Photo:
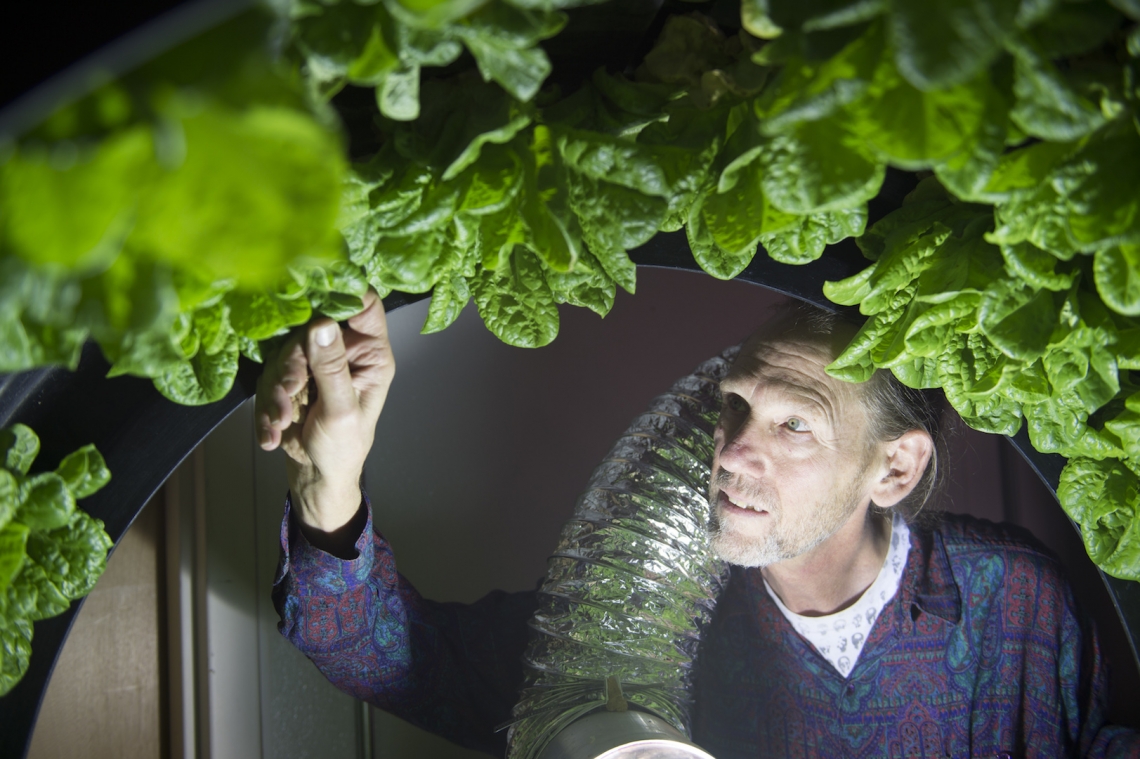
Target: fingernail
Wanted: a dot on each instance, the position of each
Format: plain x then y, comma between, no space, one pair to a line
289,383
326,335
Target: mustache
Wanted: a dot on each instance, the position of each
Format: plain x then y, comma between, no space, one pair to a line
744,487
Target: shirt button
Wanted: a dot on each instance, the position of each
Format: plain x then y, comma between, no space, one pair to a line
1004,755
850,688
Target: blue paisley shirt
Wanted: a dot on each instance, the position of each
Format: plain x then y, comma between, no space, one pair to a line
981,653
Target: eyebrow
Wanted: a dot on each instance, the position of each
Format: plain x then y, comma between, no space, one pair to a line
796,385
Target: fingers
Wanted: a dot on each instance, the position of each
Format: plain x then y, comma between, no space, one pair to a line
352,369
283,377
329,364
370,354
371,321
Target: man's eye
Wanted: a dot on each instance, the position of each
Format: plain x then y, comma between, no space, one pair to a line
735,402
795,424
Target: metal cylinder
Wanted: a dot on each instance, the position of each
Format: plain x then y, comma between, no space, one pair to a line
622,735
630,586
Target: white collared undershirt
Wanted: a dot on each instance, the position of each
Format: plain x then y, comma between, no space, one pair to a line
839,637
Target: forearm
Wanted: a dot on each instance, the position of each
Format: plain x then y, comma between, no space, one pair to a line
330,514
452,669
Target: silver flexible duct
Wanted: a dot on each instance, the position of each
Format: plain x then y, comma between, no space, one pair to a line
633,580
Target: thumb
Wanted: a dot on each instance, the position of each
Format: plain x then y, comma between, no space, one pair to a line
329,364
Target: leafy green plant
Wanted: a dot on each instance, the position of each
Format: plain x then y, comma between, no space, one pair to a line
51,552
184,215
385,44
176,217
522,208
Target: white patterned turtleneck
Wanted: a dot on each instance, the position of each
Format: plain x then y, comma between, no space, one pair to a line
839,637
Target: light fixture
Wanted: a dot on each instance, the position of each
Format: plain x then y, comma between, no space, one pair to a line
622,735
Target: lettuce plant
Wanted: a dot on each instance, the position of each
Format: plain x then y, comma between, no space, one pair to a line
202,205
51,552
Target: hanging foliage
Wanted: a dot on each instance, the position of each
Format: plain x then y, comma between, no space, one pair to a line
202,205
51,552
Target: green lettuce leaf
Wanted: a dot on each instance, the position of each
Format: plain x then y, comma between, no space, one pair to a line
944,43
13,542
261,315
813,90
1074,29
1040,217
15,650
715,260
904,260
1037,268
493,182
658,170
1025,168
35,584
10,496
866,350
1097,182
502,39
587,285
447,301
1117,273
1046,104
915,128
204,378
614,219
75,208
967,173
84,471
73,556
1126,427
254,191
516,303
1019,319
45,502
806,239
1101,497
819,166
19,447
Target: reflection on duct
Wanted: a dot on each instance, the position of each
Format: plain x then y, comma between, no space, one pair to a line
628,591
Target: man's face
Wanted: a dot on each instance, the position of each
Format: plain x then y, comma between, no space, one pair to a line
792,461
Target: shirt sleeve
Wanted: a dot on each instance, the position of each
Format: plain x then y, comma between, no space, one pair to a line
1082,677
1098,738
453,669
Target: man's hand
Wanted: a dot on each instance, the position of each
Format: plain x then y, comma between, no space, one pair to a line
327,443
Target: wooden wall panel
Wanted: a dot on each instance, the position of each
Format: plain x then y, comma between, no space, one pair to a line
104,698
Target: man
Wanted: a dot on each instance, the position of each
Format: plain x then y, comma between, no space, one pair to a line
843,631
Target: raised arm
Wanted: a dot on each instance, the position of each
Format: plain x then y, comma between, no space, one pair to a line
327,443
450,668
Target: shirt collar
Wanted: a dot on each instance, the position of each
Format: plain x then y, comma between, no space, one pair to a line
935,592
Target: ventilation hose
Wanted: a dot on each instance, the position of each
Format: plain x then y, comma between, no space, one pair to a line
630,587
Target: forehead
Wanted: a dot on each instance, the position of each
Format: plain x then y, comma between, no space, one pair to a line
793,363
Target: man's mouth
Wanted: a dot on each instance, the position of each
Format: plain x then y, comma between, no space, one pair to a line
727,502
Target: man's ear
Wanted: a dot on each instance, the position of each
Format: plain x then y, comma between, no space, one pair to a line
907,457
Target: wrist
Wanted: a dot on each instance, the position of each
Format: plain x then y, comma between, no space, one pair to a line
322,503
339,542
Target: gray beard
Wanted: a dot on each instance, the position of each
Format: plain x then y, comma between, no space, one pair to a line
783,541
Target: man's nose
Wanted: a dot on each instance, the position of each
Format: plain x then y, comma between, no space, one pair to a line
742,452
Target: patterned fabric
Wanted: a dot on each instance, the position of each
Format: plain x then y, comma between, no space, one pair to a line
453,669
839,637
980,654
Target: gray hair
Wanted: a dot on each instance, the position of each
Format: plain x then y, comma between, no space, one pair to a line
892,408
